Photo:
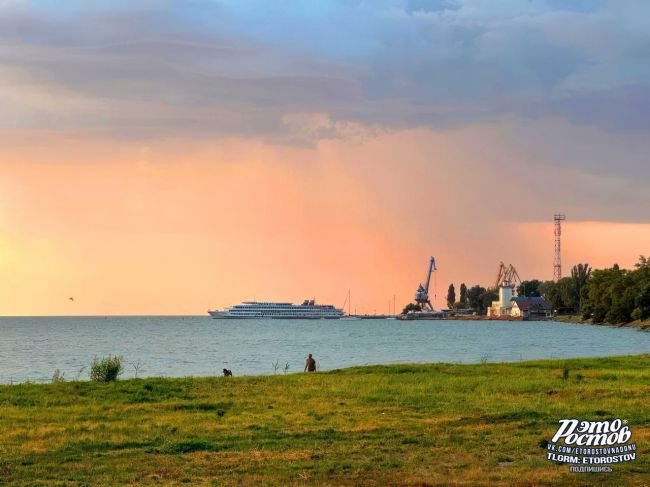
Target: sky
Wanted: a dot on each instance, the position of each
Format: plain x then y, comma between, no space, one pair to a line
168,157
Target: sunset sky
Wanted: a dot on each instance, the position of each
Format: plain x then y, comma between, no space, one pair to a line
166,157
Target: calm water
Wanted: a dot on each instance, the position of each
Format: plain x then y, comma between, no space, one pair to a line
32,348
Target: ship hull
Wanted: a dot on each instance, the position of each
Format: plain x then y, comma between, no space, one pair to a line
218,315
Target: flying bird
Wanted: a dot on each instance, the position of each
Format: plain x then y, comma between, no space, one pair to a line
71,298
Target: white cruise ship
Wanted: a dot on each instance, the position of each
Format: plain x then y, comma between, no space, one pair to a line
308,310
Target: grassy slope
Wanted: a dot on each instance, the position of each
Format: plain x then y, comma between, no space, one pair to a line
384,425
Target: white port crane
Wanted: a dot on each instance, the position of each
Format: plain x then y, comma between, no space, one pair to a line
506,276
422,294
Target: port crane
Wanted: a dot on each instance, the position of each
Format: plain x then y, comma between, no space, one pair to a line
506,276
422,294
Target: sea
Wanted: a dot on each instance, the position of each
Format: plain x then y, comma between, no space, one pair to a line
32,349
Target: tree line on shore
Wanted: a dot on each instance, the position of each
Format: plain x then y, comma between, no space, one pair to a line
612,295
476,298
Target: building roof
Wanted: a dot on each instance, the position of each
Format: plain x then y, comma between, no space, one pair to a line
531,304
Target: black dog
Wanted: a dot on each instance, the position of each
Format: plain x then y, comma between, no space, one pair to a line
227,373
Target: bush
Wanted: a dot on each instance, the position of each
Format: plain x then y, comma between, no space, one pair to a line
598,315
411,307
191,445
106,370
617,314
57,377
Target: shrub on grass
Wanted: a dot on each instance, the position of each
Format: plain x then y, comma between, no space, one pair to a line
190,445
106,369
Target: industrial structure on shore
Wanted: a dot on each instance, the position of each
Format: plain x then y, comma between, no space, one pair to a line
509,305
423,309
422,293
558,218
507,279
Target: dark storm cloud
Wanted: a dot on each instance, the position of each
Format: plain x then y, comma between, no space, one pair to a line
240,68
620,109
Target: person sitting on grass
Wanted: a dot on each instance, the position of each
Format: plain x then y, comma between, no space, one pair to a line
310,364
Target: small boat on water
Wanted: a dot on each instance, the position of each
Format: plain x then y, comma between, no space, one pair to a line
308,310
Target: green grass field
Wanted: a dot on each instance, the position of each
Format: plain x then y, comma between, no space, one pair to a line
410,425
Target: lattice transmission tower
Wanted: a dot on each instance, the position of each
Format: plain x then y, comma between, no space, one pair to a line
557,262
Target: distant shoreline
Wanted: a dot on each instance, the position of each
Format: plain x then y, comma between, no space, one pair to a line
640,324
